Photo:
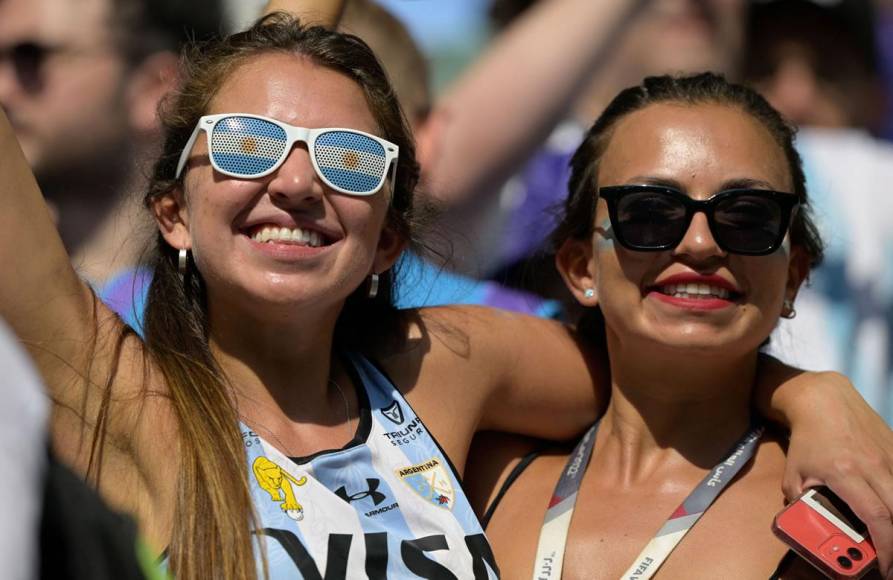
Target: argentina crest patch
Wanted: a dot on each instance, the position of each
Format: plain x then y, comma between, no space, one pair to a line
431,481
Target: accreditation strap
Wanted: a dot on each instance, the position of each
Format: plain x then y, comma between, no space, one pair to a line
553,535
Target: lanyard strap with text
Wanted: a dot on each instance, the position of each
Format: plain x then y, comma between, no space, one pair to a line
553,536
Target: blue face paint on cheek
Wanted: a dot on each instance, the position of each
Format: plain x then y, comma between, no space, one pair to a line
786,245
604,235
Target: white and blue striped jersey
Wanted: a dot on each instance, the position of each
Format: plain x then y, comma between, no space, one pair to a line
387,505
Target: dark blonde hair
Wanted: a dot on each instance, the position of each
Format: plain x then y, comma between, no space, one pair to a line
213,513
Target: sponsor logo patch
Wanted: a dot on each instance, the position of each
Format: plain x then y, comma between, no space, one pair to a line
394,412
372,492
431,481
412,431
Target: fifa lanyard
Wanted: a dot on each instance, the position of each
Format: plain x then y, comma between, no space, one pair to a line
553,535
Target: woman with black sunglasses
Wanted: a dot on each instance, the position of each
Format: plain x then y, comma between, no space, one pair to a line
687,235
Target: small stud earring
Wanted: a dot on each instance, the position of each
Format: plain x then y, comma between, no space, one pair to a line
589,293
373,286
788,309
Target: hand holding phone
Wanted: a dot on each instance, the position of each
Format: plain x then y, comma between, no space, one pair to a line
822,529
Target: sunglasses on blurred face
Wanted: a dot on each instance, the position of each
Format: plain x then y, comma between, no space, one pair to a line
27,60
251,146
651,218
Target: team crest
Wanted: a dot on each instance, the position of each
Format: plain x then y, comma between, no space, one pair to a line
278,483
394,412
431,481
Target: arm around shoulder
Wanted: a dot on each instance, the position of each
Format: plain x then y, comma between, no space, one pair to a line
836,440
529,375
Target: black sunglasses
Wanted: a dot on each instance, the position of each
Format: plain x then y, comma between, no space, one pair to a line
27,59
650,218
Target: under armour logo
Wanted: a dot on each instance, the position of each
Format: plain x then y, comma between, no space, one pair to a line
394,413
372,492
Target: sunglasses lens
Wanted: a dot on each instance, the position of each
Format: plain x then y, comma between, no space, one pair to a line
748,224
246,146
350,161
650,220
27,60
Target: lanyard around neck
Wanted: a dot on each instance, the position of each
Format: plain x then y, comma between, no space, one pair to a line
553,535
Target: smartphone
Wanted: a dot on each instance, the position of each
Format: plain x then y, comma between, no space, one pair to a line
823,530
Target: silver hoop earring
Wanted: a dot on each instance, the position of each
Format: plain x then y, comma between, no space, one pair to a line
788,311
373,286
182,261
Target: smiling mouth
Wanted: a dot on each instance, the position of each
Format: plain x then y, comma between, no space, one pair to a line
696,291
292,236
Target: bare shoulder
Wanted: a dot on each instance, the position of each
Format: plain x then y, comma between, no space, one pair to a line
440,369
515,523
471,368
495,463
471,340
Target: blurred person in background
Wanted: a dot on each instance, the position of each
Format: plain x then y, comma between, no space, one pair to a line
429,282
81,82
664,36
818,64
846,167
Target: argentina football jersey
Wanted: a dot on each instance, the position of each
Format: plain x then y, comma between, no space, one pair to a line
388,505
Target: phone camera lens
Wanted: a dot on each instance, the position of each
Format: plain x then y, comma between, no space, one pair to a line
854,554
844,562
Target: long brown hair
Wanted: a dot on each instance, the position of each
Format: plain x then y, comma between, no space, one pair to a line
213,515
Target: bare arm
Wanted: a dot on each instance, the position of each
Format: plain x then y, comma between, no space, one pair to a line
323,12
836,440
72,338
498,112
41,297
509,372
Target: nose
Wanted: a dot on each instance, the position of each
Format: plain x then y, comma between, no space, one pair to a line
295,181
698,241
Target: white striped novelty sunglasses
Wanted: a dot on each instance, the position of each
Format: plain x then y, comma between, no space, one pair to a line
251,146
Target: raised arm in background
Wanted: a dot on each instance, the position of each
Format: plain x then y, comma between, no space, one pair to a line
505,105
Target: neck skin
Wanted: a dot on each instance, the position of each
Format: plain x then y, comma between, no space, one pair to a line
280,366
672,411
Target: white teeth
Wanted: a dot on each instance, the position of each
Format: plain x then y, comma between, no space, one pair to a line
269,234
694,290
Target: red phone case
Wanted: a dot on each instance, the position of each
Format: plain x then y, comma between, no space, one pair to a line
822,533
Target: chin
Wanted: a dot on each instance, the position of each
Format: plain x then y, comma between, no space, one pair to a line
701,343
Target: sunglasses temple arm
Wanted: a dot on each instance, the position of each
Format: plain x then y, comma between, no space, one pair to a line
184,156
393,171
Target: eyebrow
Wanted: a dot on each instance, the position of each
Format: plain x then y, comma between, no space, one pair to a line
735,183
